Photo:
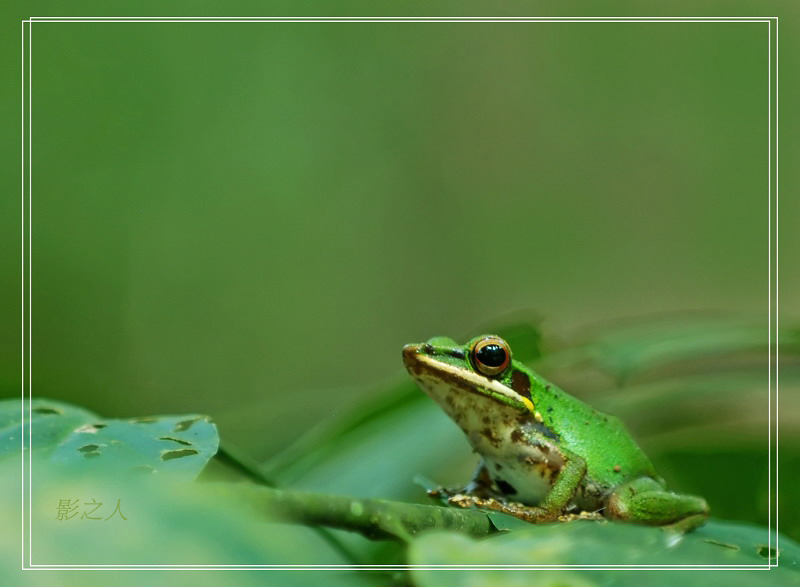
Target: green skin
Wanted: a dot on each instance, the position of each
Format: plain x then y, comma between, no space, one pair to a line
545,454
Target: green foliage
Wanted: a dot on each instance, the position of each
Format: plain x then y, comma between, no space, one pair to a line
169,522
633,347
592,543
85,443
257,251
666,391
688,397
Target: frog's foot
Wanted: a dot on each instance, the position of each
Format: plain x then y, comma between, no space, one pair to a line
442,493
455,496
581,516
645,501
530,514
534,515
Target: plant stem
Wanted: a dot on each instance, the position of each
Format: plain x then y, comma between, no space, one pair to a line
373,518
241,462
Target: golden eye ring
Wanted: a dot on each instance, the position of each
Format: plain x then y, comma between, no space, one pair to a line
491,355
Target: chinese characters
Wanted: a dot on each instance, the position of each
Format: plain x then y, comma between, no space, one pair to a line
68,509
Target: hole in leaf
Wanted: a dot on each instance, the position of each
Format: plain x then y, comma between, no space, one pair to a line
44,410
89,451
765,551
90,428
177,454
145,469
178,440
184,425
145,420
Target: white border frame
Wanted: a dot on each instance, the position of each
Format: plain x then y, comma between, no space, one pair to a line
27,166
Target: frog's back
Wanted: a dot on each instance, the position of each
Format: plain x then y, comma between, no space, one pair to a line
612,455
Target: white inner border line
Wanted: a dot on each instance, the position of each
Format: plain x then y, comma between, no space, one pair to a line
777,287
30,292
448,18
769,288
22,285
348,19
387,20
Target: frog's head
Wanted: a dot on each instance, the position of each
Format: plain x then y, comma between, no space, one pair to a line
477,378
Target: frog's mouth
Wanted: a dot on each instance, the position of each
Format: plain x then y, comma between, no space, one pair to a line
438,376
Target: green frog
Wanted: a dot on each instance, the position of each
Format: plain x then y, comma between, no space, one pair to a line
545,455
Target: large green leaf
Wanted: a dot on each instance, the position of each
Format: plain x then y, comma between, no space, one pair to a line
646,345
381,457
141,522
592,543
84,442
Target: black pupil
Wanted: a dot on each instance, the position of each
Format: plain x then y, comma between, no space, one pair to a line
491,355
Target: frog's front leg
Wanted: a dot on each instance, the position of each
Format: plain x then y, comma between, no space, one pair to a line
563,490
646,501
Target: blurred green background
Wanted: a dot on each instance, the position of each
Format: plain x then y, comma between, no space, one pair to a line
250,220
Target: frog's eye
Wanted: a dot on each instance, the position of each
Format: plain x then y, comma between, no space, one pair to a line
491,355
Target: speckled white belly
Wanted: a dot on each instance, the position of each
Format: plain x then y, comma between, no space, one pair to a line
525,471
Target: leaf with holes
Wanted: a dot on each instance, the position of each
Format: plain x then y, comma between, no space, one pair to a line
80,440
47,424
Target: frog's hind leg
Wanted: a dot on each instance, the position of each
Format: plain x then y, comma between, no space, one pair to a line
645,501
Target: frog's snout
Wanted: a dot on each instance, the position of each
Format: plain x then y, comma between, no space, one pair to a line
410,352
411,357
